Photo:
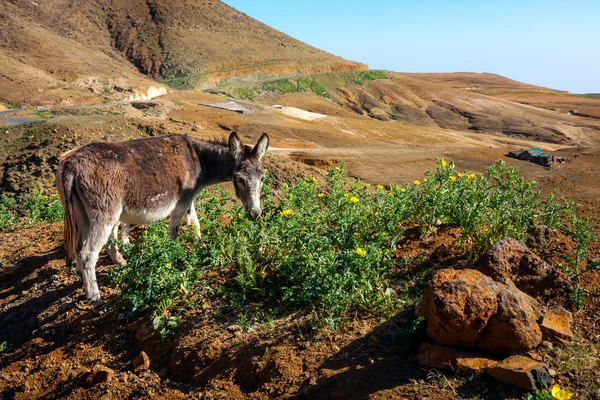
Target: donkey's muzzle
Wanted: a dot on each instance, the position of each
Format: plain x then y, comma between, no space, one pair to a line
254,214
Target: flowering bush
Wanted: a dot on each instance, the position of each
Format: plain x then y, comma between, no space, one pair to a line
330,251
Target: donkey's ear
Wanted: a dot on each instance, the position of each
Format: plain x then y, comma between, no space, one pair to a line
261,146
235,146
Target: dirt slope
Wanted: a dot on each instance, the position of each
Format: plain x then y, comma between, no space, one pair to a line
47,46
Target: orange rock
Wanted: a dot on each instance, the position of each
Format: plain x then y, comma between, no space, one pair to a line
100,374
451,359
521,372
141,362
556,326
458,305
514,327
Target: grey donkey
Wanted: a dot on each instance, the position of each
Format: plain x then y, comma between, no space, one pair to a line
144,181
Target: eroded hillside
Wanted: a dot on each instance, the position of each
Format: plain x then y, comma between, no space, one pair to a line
47,46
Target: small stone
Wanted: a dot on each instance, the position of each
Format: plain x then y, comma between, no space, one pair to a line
141,362
100,374
521,372
556,326
548,345
552,372
234,328
534,356
451,359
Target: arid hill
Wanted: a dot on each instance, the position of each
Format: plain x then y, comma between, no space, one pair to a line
47,46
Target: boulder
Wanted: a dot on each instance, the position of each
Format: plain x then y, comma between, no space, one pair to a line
514,327
556,326
444,358
521,372
141,362
458,305
100,374
509,261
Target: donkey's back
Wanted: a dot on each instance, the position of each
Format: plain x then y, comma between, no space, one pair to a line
141,180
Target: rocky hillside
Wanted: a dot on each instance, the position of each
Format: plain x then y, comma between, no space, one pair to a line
47,46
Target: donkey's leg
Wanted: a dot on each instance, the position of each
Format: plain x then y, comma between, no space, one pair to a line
175,220
88,257
113,250
192,219
125,229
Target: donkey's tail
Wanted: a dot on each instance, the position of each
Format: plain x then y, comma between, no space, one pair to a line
65,185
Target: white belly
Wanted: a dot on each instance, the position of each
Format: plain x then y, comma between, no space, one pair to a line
147,216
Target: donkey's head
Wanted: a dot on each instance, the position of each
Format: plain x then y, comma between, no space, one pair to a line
248,172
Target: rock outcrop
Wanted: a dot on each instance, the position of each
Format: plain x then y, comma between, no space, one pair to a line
458,306
514,327
510,262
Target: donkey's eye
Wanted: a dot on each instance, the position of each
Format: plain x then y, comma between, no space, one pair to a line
241,181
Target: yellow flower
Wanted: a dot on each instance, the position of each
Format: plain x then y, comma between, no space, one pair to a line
460,174
320,195
560,394
315,180
285,213
361,252
383,233
444,163
403,190
417,183
266,170
452,177
379,187
168,264
425,180
354,199
346,195
471,176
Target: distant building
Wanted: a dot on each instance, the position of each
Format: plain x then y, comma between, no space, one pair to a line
535,155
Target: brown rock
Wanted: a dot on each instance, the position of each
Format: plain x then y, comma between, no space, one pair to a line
539,236
510,261
556,326
521,372
100,374
514,327
458,305
141,362
451,359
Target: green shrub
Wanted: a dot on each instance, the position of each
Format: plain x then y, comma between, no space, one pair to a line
576,263
40,208
318,88
7,213
281,85
364,76
244,93
330,252
486,208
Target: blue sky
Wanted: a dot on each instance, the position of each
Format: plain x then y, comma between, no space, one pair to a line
543,42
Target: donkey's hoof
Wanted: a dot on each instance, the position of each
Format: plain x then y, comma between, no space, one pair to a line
99,306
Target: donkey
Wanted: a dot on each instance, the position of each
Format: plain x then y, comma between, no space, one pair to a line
143,181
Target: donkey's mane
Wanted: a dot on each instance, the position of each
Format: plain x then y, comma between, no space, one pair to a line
220,140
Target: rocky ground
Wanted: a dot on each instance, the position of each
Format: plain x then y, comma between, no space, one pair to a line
57,347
